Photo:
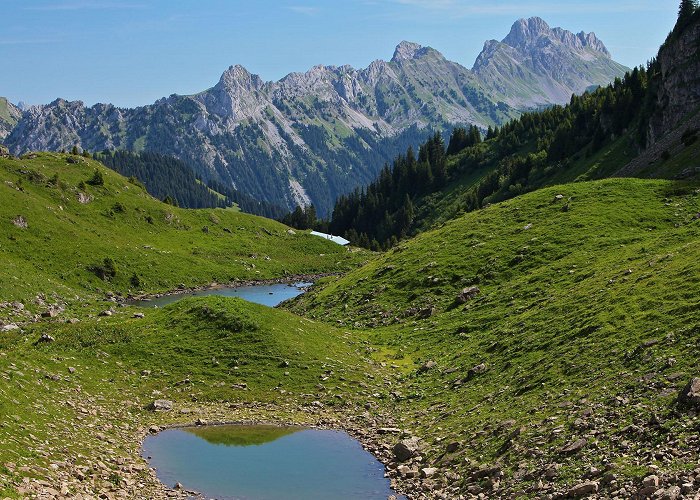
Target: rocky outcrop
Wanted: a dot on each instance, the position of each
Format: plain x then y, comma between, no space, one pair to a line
679,94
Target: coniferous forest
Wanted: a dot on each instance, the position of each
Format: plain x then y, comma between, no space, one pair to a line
168,178
524,154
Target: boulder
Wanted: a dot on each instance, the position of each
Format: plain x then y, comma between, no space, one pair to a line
670,493
406,449
428,365
45,338
407,472
573,447
161,405
467,294
428,472
584,489
690,395
453,447
477,370
9,327
50,313
651,481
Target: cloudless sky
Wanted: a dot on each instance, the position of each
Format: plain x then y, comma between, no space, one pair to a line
132,52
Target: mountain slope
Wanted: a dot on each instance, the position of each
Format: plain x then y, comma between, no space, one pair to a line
544,328
310,136
9,115
59,226
536,65
623,129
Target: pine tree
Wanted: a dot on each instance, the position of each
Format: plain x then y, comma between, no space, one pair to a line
686,11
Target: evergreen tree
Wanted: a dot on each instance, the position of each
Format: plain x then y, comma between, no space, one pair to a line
686,11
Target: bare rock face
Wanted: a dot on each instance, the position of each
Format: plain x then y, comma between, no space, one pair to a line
539,65
680,90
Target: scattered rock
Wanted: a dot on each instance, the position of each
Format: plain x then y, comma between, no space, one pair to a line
467,294
200,421
106,313
9,327
406,449
690,395
139,315
291,232
84,198
71,369
20,222
161,405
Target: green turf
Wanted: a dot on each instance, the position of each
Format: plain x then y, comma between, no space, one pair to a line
576,307
157,245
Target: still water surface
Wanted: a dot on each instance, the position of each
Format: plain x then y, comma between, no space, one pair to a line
267,463
267,295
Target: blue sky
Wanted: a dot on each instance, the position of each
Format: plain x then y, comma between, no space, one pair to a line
132,52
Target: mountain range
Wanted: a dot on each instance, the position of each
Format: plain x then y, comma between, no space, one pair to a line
312,136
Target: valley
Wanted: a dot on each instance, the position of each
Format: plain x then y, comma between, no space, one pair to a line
517,314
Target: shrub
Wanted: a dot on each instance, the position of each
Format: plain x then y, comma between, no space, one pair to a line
97,179
105,271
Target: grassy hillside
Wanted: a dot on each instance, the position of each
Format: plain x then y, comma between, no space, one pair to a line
74,411
585,322
57,230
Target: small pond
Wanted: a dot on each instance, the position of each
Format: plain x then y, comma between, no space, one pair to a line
266,463
267,295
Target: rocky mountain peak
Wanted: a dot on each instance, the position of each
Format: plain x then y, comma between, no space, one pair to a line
237,77
405,51
525,32
535,32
